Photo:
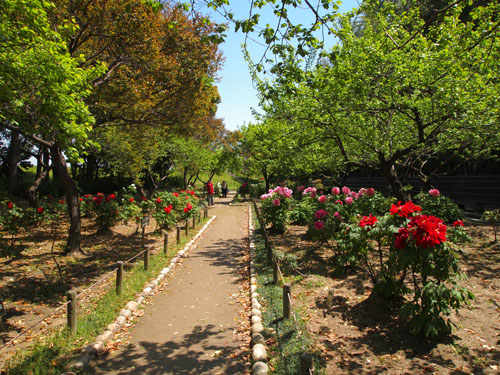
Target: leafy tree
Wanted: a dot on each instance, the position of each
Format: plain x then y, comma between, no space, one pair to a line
42,91
395,92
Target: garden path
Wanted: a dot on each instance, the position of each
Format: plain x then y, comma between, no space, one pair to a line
192,326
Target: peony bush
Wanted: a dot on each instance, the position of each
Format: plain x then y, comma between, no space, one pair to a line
276,208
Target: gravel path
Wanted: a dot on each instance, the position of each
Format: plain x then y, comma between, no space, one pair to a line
191,327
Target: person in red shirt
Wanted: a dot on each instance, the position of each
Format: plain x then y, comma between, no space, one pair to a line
210,193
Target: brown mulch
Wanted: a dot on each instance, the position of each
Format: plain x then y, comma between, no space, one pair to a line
360,333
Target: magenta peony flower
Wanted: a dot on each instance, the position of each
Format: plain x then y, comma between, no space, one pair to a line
322,199
320,214
346,190
319,225
337,215
335,190
370,192
434,192
276,202
348,201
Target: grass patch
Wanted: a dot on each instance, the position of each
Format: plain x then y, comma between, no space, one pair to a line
53,354
286,345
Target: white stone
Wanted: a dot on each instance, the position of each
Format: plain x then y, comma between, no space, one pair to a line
140,300
165,270
257,328
147,290
113,327
82,362
253,288
259,353
255,295
105,337
94,349
121,320
259,368
256,312
126,313
257,338
256,304
132,305
256,319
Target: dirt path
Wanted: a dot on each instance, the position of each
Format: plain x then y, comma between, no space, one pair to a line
192,326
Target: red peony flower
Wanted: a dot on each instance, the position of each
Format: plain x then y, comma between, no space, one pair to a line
404,210
131,199
427,231
158,200
368,221
401,238
458,223
39,210
167,210
80,199
176,194
10,205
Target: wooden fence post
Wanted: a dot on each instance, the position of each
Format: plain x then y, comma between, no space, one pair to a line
146,258
199,217
287,296
71,310
165,242
194,222
178,234
119,278
205,212
275,272
306,364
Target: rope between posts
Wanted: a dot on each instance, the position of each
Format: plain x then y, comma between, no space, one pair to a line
36,324
96,283
135,256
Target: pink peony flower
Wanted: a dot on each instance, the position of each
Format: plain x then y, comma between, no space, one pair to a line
348,201
370,192
338,201
322,199
434,192
319,225
276,202
346,190
337,215
335,190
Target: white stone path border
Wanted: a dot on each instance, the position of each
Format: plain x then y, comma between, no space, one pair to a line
259,355
97,347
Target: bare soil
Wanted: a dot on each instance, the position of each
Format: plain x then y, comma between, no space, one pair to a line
31,286
360,333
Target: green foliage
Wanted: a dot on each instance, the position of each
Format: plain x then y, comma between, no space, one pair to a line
440,206
106,209
302,211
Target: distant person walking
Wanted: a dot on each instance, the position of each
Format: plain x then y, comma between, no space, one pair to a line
224,189
210,193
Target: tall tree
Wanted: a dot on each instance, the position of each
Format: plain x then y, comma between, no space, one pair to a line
42,91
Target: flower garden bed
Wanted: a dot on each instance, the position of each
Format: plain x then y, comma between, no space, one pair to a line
360,333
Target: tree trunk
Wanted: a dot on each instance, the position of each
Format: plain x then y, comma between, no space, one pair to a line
389,171
75,231
185,178
13,160
40,175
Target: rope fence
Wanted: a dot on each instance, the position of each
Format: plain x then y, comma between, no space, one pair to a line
73,297
306,360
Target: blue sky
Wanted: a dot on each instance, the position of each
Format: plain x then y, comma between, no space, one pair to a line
237,93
